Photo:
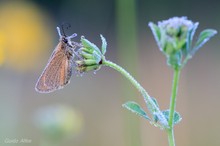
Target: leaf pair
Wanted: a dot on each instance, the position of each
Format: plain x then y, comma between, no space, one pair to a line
204,36
136,108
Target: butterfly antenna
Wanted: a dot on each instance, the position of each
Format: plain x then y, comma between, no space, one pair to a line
59,33
66,26
63,30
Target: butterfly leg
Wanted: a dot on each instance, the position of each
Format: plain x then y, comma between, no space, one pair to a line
72,36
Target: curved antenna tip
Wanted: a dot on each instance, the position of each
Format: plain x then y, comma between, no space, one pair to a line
59,33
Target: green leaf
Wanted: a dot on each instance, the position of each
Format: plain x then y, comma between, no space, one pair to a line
87,50
87,44
177,118
104,45
155,118
154,100
89,62
97,57
159,117
156,32
91,68
204,36
190,35
135,108
87,55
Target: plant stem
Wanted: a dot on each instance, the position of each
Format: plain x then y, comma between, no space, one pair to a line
126,74
171,137
172,106
153,108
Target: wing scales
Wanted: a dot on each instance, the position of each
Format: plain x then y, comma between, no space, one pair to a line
58,71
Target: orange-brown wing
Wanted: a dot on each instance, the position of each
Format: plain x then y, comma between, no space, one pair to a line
57,73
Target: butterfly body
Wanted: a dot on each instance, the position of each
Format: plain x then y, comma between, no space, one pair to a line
58,70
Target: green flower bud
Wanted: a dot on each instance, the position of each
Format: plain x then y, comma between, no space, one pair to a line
174,37
87,50
88,62
82,69
175,32
89,56
89,46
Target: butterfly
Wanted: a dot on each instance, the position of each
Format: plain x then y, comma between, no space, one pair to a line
58,70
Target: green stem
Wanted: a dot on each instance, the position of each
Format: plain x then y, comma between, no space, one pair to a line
153,108
171,137
172,106
126,74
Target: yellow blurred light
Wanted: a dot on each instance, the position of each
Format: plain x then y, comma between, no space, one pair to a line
2,52
26,35
71,120
59,121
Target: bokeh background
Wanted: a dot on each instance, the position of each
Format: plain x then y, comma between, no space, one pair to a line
88,111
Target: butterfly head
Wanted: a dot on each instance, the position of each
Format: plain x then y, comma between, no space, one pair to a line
64,38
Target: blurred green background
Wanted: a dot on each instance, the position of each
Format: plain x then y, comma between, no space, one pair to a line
88,111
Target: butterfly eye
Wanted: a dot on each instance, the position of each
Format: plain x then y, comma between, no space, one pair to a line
65,40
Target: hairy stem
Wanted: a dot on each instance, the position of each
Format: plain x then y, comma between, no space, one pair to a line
172,107
150,103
